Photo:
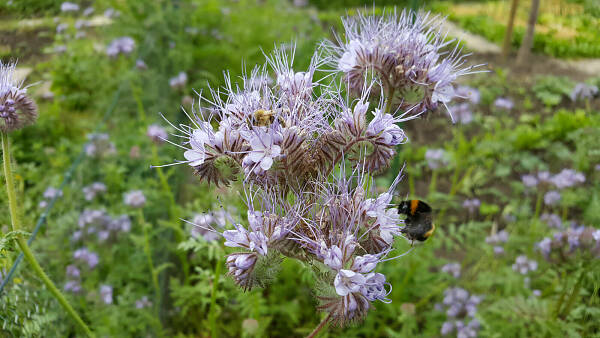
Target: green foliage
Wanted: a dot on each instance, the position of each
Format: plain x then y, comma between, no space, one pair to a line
551,90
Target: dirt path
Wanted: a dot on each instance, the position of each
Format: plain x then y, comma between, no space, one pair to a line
576,68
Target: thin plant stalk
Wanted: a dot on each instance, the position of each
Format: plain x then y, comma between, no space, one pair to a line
538,204
163,182
16,223
148,253
213,300
574,295
319,327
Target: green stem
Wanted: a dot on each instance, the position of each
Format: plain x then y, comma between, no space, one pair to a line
574,295
433,183
148,253
319,327
213,300
538,205
179,236
16,222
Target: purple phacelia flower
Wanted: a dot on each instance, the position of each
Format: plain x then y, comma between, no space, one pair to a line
143,302
452,268
106,294
179,81
157,133
73,286
436,158
529,181
134,199
553,220
140,64
123,45
462,113
206,225
91,191
404,52
73,271
472,205
99,146
497,238
523,265
583,91
567,178
504,103
264,150
552,198
17,110
69,7
83,254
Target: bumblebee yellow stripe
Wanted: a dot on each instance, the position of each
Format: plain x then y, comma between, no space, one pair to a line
413,206
430,232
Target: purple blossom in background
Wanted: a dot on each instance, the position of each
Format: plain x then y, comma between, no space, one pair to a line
179,81
140,64
99,146
91,191
523,265
583,91
552,198
73,271
567,178
468,93
544,177
462,112
88,11
157,133
529,180
497,238
73,286
61,28
472,205
206,225
143,302
79,24
111,13
553,220
571,242
106,294
84,255
436,158
452,269
49,194
504,103
134,199
498,250
460,307
123,45
69,7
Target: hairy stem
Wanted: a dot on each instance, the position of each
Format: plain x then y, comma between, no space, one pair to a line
16,223
574,295
319,327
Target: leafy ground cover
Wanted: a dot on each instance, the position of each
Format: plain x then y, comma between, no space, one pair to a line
515,185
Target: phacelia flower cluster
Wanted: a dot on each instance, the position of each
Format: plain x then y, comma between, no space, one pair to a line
17,110
576,240
306,152
99,146
123,45
98,223
460,308
403,55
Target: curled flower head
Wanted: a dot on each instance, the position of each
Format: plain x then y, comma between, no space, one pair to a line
523,265
17,110
552,197
179,81
504,103
69,7
99,146
402,54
